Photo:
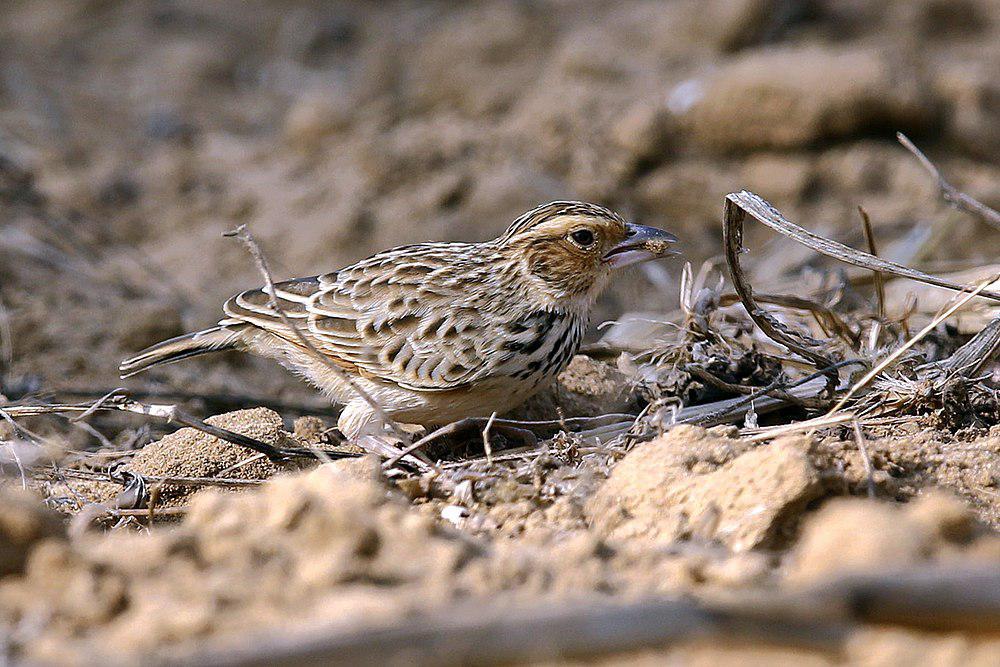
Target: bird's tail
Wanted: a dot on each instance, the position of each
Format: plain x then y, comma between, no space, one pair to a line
215,339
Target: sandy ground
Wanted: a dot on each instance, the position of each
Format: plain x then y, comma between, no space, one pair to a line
132,134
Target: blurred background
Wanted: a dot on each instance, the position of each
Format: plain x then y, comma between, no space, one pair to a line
132,134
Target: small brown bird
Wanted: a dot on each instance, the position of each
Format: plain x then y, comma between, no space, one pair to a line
436,332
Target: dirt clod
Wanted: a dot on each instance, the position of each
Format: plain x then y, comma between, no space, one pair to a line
689,484
857,536
24,522
192,453
786,98
587,388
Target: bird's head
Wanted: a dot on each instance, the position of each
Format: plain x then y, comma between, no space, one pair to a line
570,250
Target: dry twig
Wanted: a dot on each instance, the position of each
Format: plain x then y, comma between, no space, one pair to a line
170,413
741,204
737,207
215,401
950,193
487,445
968,360
95,476
244,235
816,423
763,212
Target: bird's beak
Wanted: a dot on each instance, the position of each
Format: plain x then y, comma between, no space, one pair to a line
641,245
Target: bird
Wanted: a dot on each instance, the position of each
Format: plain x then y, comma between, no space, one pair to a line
436,332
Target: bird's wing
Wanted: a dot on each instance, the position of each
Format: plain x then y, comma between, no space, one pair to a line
410,323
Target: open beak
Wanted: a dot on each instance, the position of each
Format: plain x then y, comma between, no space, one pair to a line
641,245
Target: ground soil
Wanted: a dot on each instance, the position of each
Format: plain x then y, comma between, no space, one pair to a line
132,134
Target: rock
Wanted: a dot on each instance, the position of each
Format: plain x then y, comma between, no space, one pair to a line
24,522
689,484
793,97
737,24
740,570
690,190
595,387
309,429
944,19
497,39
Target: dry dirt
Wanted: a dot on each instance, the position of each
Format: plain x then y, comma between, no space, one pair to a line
132,134
341,547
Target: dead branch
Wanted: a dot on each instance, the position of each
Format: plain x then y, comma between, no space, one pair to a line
830,321
244,235
773,389
52,472
968,360
821,618
802,390
763,212
950,193
170,413
223,402
741,204
799,343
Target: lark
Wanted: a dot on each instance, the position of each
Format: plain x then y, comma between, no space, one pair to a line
437,332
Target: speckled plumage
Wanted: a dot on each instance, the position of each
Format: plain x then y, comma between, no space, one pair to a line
435,331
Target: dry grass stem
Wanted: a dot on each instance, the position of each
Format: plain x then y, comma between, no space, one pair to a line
93,475
873,249
888,361
859,438
814,424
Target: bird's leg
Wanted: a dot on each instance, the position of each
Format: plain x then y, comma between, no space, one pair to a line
360,425
469,423
523,436
357,419
526,437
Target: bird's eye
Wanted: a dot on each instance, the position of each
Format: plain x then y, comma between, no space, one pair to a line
582,237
